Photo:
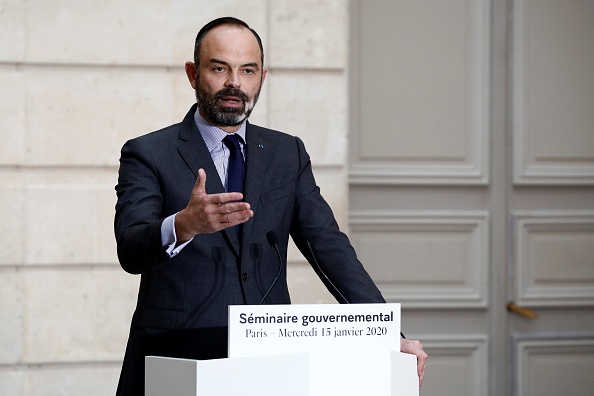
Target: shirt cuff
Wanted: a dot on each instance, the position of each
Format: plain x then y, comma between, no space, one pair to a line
169,238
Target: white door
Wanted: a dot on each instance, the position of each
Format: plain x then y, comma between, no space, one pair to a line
472,185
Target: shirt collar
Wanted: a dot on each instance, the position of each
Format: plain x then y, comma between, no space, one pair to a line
212,135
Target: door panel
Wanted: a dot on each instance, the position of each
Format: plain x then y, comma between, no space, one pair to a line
472,185
554,364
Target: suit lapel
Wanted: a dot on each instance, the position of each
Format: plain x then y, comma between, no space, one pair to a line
195,154
256,160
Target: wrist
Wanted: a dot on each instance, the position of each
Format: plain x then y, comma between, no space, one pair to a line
182,227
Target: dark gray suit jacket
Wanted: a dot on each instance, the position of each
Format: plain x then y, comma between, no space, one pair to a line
194,289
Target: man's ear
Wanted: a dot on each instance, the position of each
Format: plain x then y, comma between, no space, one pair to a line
191,73
264,72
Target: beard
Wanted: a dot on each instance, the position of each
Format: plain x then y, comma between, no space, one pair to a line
213,111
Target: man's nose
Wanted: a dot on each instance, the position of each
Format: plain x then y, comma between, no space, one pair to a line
233,80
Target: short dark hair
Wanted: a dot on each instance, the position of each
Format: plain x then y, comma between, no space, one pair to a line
218,22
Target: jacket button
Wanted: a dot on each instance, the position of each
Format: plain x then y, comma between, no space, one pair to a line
245,277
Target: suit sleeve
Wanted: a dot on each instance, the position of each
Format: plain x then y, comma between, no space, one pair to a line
314,221
138,211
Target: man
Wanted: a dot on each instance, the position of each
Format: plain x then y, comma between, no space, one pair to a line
201,245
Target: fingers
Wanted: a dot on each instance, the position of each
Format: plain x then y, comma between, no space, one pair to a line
414,347
230,220
200,189
226,209
230,207
421,366
233,213
224,198
207,213
200,185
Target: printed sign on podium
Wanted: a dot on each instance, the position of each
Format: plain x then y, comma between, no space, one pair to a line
256,330
297,350
354,349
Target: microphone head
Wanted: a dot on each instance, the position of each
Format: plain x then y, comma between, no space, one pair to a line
272,239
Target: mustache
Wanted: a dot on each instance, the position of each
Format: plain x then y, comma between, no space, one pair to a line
232,92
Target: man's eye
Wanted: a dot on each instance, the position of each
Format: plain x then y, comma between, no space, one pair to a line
218,69
249,71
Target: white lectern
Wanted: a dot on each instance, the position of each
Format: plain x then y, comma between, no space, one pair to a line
297,350
255,376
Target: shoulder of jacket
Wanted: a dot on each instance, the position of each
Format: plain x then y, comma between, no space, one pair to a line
269,133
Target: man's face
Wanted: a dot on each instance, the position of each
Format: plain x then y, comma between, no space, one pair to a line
229,76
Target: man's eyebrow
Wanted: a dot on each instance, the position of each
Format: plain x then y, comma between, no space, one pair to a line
222,62
251,64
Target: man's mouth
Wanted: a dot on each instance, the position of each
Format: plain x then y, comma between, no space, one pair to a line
231,101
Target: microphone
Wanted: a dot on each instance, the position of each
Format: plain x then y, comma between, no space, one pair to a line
336,289
324,274
273,241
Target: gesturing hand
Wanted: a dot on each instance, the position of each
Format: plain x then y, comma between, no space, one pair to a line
207,213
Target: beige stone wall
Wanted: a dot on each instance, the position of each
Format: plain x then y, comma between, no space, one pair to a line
79,78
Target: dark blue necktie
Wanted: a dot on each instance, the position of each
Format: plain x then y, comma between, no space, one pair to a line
236,166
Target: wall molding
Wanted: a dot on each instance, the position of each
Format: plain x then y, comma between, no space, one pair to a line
470,291
556,344
551,171
422,174
527,290
474,347
471,169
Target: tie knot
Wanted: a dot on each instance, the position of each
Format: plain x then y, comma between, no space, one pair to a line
232,141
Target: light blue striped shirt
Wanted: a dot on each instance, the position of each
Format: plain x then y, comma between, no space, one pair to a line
213,137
